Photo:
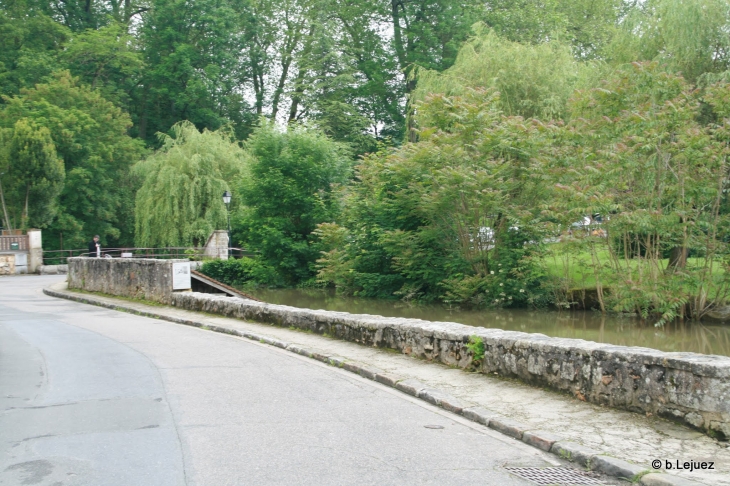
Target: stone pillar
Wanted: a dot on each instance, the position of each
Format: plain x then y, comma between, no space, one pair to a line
35,250
217,245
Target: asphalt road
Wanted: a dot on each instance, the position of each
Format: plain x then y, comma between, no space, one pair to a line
90,396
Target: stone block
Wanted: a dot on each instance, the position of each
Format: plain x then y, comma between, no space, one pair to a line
453,404
441,399
616,467
137,278
320,357
540,439
478,415
274,342
337,361
369,372
410,386
573,452
7,264
295,348
388,379
507,427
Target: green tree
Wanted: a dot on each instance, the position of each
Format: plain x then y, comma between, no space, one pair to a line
686,37
180,200
194,67
635,153
585,25
289,190
451,217
532,80
36,173
90,136
107,59
31,42
33,177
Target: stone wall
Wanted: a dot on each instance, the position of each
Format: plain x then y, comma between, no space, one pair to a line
139,278
7,264
687,387
217,245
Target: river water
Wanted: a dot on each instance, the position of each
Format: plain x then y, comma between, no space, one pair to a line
591,326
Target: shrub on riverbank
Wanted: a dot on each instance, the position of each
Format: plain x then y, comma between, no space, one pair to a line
246,272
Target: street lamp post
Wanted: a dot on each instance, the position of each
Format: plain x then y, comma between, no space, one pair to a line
227,202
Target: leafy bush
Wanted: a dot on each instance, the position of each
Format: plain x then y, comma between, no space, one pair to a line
245,272
449,217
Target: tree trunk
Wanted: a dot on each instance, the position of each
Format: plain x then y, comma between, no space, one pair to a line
24,223
5,208
678,257
397,33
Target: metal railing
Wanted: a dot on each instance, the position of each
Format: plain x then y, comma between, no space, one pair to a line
60,257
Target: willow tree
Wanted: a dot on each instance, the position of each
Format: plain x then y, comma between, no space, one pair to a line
179,202
532,80
687,37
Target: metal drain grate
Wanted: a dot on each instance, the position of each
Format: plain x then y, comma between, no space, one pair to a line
553,475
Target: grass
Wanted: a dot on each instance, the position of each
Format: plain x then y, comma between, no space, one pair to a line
577,266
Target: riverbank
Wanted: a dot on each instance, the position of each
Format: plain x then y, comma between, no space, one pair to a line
517,408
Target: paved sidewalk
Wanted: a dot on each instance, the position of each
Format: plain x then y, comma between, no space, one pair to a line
624,435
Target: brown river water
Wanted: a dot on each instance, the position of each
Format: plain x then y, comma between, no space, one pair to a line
706,338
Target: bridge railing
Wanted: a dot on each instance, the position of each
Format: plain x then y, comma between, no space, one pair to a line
60,257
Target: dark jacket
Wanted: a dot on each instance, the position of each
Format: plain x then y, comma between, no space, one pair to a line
92,248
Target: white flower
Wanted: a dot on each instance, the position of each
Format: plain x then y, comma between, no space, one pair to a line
522,290
492,272
501,285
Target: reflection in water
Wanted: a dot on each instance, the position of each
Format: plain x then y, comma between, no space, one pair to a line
591,326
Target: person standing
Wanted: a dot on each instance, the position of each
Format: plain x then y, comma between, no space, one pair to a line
95,247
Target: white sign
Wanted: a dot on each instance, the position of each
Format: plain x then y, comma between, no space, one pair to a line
181,276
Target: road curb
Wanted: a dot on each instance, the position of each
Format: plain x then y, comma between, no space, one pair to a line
544,441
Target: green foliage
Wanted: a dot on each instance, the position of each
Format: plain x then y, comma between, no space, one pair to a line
532,80
524,129
586,25
90,136
636,154
454,212
30,43
476,348
289,189
192,53
687,37
245,272
34,177
106,59
180,200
